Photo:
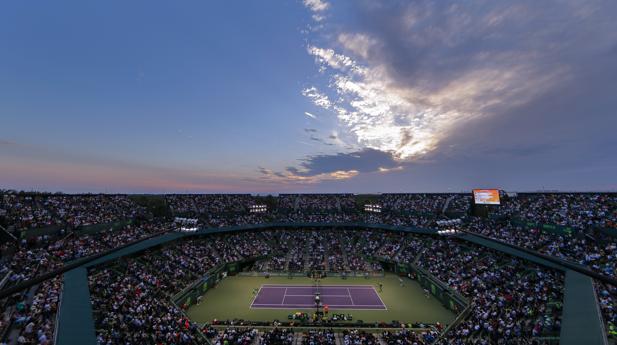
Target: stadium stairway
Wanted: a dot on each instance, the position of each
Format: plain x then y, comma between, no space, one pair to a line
425,247
401,248
5,279
343,251
296,203
306,256
13,333
447,203
339,339
276,248
551,307
420,253
6,236
326,263
298,338
287,258
291,246
195,208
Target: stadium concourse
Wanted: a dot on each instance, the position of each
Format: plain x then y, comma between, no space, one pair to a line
509,272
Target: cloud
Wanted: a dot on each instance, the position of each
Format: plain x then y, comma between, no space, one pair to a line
318,7
318,98
310,115
409,75
359,44
320,140
318,17
329,58
291,177
365,161
387,170
335,167
450,95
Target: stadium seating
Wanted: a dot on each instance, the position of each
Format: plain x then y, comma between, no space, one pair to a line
510,298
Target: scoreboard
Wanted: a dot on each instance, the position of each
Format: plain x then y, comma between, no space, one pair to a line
486,196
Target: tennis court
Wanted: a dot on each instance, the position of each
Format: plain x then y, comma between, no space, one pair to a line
358,297
234,296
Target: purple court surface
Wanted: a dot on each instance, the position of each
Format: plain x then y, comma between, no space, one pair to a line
356,297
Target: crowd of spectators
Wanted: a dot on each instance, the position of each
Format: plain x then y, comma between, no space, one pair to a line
26,211
420,203
578,210
34,321
319,250
286,336
132,298
317,203
607,295
589,248
359,337
407,337
286,202
319,337
509,298
281,242
32,312
459,203
29,258
277,336
23,211
474,272
209,203
512,306
130,306
235,336
31,210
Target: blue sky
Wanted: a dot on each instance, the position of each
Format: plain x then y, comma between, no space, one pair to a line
308,96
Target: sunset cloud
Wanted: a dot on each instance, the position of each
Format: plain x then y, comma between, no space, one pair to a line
403,85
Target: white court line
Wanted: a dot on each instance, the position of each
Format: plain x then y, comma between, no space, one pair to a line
307,306
376,293
313,308
284,295
274,287
297,286
310,306
254,298
351,298
377,307
322,295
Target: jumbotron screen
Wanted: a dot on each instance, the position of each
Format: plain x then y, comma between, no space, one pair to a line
486,196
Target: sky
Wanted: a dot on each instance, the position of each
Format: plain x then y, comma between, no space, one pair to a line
308,96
